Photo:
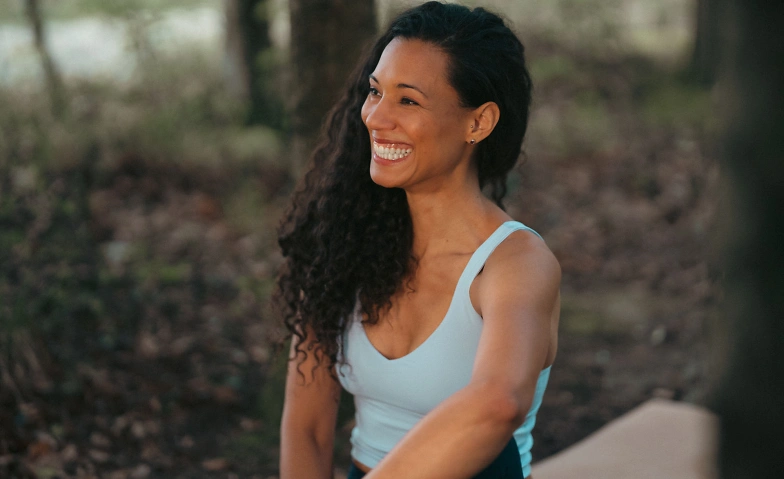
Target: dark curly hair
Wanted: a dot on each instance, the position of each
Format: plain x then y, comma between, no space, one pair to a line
345,237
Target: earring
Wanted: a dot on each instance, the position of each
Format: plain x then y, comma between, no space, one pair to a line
472,141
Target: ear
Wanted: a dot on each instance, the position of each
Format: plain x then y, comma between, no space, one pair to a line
484,118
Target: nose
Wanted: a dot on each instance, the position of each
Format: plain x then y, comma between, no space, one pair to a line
376,114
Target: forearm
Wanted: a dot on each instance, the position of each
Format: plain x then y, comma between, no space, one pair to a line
302,457
456,440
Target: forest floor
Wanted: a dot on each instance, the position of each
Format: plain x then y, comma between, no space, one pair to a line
136,276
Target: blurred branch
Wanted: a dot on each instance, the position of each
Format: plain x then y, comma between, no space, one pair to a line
54,83
707,41
250,61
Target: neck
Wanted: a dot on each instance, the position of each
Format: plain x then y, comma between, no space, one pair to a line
451,220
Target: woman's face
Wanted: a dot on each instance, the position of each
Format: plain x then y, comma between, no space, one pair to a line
418,130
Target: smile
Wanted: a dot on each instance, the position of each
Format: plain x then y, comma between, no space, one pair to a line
390,153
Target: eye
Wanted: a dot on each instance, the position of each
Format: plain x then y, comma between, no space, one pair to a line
408,101
374,92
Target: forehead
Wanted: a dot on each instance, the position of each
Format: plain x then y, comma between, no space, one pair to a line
413,62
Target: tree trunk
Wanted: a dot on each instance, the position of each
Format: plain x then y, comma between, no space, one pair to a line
250,61
749,398
327,40
54,83
706,56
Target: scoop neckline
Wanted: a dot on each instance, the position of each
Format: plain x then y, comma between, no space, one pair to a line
452,301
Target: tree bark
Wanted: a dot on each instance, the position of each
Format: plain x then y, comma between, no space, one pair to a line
327,40
249,61
749,397
706,55
54,83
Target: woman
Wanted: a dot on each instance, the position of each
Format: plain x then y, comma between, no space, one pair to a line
402,281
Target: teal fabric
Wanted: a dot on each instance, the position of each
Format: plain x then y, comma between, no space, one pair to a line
392,395
505,466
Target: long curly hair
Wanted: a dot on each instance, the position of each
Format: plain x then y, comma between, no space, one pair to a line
346,239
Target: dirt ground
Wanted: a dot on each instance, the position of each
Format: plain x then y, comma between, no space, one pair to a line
195,393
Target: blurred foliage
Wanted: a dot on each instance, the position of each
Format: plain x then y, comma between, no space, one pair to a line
136,233
48,255
570,22
137,248
681,103
65,9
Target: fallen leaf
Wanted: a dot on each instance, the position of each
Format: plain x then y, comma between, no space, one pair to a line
216,464
99,456
141,471
118,474
225,395
148,346
152,427
38,449
186,442
137,429
46,472
69,453
119,425
250,425
99,440
181,345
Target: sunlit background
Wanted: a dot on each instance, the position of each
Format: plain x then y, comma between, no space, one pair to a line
140,195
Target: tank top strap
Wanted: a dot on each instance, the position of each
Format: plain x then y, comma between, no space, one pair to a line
478,259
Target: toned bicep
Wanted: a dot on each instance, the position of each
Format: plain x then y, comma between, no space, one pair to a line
519,305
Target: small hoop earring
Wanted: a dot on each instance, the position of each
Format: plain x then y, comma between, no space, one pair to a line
472,141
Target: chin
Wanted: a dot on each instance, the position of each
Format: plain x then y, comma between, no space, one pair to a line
383,178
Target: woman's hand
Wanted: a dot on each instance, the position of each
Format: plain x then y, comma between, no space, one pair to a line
307,427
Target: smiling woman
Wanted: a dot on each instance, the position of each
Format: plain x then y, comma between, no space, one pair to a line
412,103
405,284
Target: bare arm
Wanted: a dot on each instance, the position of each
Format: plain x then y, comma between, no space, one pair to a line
518,298
307,428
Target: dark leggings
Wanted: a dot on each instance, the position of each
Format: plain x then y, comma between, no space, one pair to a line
505,466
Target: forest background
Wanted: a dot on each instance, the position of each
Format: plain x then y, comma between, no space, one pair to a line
149,147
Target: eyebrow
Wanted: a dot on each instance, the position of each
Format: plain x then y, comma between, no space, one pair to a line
402,85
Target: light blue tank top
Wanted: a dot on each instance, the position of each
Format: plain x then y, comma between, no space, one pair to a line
392,395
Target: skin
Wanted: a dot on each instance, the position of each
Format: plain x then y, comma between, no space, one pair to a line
412,107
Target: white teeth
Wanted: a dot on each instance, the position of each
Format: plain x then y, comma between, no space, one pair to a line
388,153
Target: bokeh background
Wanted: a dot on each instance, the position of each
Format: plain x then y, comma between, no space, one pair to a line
149,147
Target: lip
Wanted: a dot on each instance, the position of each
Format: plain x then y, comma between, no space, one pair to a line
384,141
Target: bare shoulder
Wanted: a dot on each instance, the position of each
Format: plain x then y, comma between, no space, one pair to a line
521,270
524,254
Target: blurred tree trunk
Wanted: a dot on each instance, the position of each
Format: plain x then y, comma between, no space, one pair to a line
327,39
54,83
749,398
249,60
705,56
